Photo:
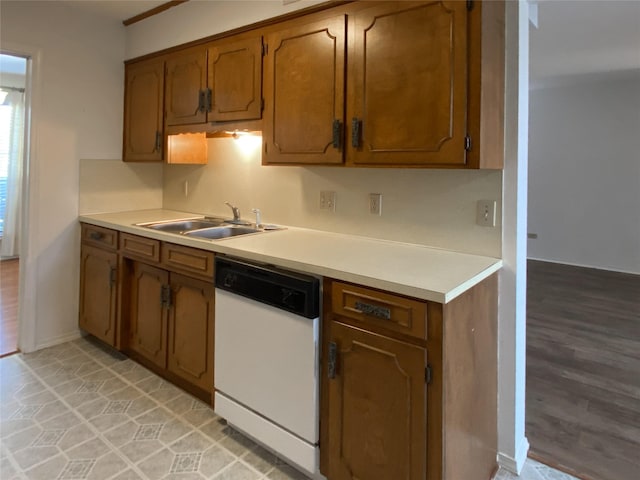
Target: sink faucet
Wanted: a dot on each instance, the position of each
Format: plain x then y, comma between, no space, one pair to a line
235,210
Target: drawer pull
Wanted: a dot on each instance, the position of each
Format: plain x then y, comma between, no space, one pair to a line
96,235
373,310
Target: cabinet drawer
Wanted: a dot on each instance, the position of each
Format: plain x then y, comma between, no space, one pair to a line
187,260
140,247
100,236
372,307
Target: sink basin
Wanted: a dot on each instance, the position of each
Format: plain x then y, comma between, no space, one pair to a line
184,226
215,233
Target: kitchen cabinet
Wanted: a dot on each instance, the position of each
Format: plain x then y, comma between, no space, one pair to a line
416,91
218,82
191,335
170,316
304,94
409,387
143,111
378,405
407,98
148,315
98,282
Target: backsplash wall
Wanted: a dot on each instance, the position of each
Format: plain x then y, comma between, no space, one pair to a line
428,207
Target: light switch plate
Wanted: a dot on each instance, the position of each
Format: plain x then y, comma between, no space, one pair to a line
486,213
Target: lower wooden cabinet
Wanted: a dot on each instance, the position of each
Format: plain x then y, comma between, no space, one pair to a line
148,313
98,277
169,311
377,406
409,387
191,322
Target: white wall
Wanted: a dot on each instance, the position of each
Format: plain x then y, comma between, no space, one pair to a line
429,207
77,113
584,173
199,19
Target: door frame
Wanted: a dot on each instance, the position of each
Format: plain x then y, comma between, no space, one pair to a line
27,275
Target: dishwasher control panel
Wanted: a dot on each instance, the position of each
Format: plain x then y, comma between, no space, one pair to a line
290,291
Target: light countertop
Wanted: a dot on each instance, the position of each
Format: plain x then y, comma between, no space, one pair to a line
414,270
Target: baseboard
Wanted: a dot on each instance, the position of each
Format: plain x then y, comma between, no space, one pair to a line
583,266
515,465
52,342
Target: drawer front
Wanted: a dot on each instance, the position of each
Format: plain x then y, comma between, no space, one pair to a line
139,247
384,310
100,236
188,260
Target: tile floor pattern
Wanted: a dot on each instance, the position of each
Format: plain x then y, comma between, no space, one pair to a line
75,411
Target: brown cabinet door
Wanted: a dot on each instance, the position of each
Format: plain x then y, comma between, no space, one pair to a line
304,94
148,315
98,277
186,81
407,87
235,80
376,408
191,324
143,110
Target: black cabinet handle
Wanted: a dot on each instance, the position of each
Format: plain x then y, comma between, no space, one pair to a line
356,132
333,357
96,235
337,134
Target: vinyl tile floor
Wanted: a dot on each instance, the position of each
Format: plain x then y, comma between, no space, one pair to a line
76,411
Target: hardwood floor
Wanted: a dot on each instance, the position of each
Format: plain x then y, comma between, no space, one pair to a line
8,306
583,370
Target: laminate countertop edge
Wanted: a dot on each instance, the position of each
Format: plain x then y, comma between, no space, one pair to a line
414,270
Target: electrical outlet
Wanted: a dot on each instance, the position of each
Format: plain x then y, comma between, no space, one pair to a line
328,200
486,213
375,203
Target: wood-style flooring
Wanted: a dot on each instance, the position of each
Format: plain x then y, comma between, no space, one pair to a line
583,370
8,306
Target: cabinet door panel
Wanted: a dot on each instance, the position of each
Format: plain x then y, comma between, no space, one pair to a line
235,79
304,93
148,329
408,83
191,324
186,77
377,408
98,270
143,112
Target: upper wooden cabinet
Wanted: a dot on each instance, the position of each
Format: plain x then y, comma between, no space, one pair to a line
304,94
216,84
143,111
420,78
235,80
407,89
186,87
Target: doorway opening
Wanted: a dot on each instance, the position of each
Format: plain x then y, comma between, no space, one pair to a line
13,82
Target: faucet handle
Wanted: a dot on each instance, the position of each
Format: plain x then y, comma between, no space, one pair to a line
258,220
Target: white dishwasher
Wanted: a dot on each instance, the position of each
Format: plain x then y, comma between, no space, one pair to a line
266,368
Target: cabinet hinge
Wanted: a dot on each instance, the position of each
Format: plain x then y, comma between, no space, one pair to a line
467,143
469,5
427,374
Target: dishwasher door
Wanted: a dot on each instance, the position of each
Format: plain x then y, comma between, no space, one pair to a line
266,361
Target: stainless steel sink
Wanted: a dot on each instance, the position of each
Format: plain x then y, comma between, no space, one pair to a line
215,233
183,226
